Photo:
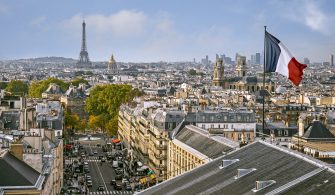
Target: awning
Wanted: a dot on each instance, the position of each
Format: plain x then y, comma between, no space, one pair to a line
116,141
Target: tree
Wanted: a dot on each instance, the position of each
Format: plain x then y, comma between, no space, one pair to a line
17,87
82,125
38,87
71,120
77,81
192,72
104,103
3,85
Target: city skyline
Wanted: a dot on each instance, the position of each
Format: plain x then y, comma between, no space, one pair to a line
165,31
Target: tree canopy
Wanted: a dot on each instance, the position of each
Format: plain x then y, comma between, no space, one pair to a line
17,87
38,87
104,102
3,85
77,81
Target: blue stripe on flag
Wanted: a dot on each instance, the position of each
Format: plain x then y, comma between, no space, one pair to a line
272,52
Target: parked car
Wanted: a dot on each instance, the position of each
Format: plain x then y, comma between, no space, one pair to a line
95,152
128,187
118,171
113,182
89,183
91,154
118,187
118,177
101,188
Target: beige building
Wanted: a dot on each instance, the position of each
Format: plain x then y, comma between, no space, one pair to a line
315,140
144,130
43,152
192,146
241,81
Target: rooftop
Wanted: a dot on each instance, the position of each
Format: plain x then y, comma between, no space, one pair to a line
292,172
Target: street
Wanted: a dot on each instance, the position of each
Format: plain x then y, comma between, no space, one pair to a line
90,168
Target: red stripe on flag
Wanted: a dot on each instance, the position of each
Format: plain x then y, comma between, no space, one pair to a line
295,71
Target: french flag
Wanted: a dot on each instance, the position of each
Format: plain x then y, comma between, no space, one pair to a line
279,59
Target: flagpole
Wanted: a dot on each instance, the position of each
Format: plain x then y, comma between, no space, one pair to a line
264,58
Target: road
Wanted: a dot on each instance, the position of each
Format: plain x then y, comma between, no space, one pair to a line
101,173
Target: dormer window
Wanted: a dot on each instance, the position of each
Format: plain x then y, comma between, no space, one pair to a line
244,172
228,162
260,185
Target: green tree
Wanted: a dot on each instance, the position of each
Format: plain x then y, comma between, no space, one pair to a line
3,85
71,120
192,72
77,81
38,87
17,87
104,102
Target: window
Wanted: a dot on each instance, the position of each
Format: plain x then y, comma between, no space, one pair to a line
286,132
238,118
279,132
272,131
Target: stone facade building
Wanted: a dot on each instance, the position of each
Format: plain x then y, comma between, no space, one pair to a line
112,66
241,81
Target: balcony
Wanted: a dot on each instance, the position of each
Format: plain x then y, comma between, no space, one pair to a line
161,167
161,146
160,156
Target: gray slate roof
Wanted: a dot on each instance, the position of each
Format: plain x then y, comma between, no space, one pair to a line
202,143
14,172
271,163
318,130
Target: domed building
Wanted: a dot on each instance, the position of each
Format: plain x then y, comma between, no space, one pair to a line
112,66
241,81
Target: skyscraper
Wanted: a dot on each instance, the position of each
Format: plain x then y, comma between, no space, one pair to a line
306,61
84,61
258,58
331,59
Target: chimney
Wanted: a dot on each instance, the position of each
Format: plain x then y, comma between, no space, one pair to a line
17,150
301,126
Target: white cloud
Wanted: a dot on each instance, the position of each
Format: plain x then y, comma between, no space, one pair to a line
310,14
122,24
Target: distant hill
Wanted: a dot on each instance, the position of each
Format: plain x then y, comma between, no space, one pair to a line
47,59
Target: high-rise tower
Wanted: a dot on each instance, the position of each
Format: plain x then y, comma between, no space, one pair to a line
112,66
84,61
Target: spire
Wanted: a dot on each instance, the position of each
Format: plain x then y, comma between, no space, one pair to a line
84,61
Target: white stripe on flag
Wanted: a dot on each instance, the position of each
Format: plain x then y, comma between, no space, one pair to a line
283,60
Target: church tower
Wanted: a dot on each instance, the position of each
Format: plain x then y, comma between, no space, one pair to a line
112,66
241,66
218,73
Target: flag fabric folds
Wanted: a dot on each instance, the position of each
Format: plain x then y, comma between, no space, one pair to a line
279,59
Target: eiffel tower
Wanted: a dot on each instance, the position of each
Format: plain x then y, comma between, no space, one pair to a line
84,61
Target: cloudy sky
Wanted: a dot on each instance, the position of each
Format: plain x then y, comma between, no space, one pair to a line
167,30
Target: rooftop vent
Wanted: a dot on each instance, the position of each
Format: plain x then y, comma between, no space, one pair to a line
243,172
263,184
226,163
